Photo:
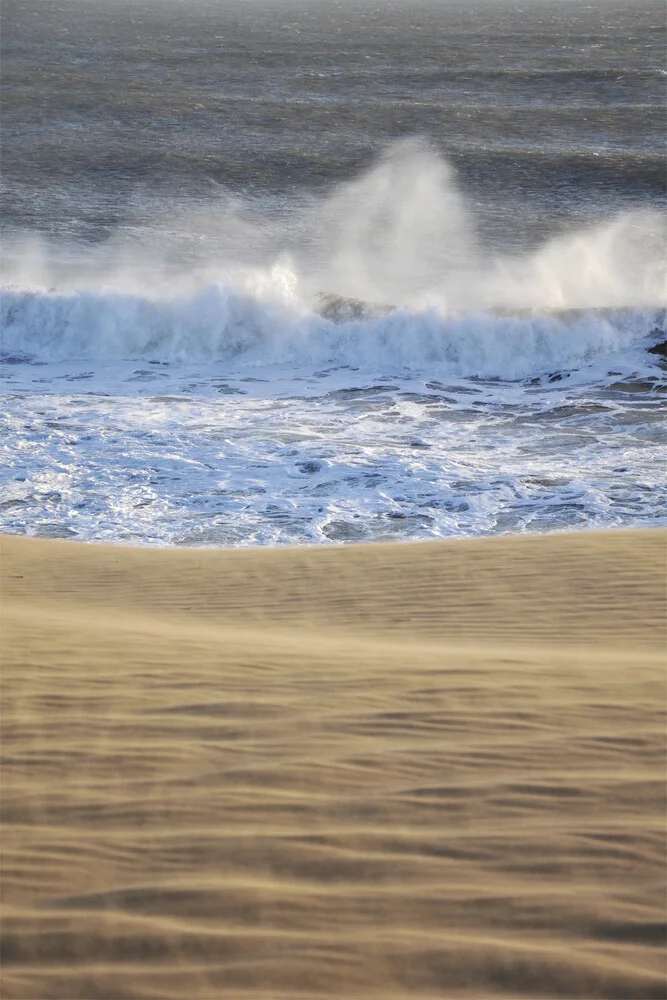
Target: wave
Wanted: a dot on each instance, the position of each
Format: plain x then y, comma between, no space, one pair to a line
400,233
222,323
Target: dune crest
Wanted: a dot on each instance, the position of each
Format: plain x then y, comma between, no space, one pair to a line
391,771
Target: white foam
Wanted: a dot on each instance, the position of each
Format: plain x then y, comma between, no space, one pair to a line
196,456
219,322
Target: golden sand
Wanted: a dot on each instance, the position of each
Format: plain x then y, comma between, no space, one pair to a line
389,771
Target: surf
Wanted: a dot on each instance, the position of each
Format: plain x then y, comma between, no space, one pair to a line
222,323
388,268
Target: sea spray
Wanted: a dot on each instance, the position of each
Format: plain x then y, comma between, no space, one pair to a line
402,234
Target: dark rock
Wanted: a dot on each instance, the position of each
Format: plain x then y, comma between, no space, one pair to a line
660,349
340,309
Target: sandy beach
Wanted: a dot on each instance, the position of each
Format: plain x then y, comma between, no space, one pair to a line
411,770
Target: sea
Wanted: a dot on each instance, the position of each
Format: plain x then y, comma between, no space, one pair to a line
328,271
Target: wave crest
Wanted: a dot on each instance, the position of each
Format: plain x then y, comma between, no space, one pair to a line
221,323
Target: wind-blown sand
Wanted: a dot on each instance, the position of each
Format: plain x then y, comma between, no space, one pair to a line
391,771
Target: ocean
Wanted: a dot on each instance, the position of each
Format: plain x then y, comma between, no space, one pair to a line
324,272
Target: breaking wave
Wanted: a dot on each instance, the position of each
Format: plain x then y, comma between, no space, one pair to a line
222,323
400,234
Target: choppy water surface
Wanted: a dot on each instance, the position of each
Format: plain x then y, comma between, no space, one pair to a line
296,272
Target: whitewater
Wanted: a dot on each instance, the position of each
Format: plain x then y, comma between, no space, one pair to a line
357,362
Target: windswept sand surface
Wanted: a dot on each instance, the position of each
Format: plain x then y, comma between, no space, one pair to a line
425,770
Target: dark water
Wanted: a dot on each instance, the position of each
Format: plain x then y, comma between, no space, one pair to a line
551,113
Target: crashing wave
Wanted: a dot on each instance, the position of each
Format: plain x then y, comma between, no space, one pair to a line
222,323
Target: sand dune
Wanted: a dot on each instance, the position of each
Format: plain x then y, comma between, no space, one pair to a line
390,771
